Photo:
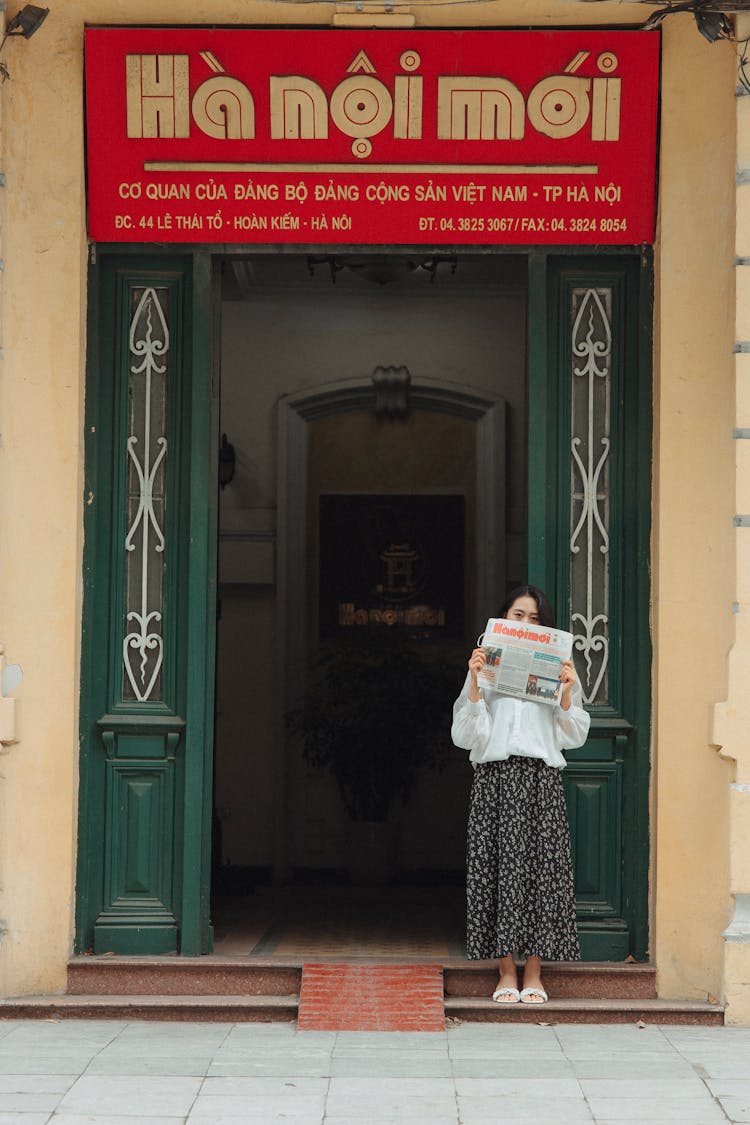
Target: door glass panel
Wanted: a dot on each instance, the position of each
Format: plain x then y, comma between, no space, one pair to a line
591,351
143,642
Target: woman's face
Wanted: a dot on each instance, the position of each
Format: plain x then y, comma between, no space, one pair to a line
524,609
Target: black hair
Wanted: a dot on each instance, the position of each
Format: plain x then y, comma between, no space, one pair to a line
543,606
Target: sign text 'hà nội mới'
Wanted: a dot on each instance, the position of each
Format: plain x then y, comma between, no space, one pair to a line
348,137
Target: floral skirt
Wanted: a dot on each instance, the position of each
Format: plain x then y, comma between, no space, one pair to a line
519,875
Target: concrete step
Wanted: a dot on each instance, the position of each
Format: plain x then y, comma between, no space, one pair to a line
214,1009
232,976
471,1009
565,980
182,976
241,988
243,1009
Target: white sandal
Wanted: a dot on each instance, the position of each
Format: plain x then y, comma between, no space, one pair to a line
533,996
512,994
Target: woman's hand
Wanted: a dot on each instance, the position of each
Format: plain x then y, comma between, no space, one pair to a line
477,661
568,678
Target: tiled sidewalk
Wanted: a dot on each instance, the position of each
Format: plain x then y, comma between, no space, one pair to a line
118,1073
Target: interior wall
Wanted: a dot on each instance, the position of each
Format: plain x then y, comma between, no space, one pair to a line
426,452
284,331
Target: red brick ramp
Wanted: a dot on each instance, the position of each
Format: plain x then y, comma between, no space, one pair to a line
346,997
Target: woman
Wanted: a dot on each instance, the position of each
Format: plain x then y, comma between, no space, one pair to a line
519,877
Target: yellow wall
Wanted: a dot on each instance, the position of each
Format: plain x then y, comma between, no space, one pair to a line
693,568
41,418
732,716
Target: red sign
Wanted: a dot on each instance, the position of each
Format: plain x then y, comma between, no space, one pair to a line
367,138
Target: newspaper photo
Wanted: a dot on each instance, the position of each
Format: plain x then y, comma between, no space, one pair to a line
524,660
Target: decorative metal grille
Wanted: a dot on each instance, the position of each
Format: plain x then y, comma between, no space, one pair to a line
591,314
143,645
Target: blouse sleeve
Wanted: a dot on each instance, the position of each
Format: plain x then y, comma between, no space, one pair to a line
572,726
471,722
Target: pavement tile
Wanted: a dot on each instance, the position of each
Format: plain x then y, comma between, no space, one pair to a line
46,1044
266,1066
543,1038
685,1111
569,1111
397,1087
503,1045
163,1051
704,1058
712,1072
34,1084
105,1119
29,1103
713,1050
622,1040
520,1067
507,1030
195,1040
490,1051
183,1029
259,1108
111,1063
280,1117
277,1087
394,1107
421,1064
242,1040
527,1117
652,1067
646,1090
718,1035
160,1097
74,1034
540,1087
416,1118
402,1040
44,1064
29,1118
736,1109
235,1052
728,1087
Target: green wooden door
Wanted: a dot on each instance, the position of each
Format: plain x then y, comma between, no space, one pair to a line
589,523
149,608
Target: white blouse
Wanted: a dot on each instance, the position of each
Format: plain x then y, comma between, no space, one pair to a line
499,725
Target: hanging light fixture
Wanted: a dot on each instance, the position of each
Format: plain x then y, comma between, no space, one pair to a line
24,23
27,21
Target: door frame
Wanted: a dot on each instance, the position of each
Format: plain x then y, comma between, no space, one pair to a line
190,877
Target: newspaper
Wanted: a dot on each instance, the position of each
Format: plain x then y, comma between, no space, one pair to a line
524,660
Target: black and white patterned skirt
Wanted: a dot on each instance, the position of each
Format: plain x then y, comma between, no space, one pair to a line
519,875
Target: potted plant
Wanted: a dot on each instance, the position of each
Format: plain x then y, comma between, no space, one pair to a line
376,712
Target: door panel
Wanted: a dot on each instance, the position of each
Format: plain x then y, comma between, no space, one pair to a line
143,740
589,512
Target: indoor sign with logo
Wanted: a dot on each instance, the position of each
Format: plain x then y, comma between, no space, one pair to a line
328,136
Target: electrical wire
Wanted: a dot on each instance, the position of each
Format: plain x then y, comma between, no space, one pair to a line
742,65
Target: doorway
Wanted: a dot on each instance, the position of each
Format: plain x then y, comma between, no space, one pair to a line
370,403
537,438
